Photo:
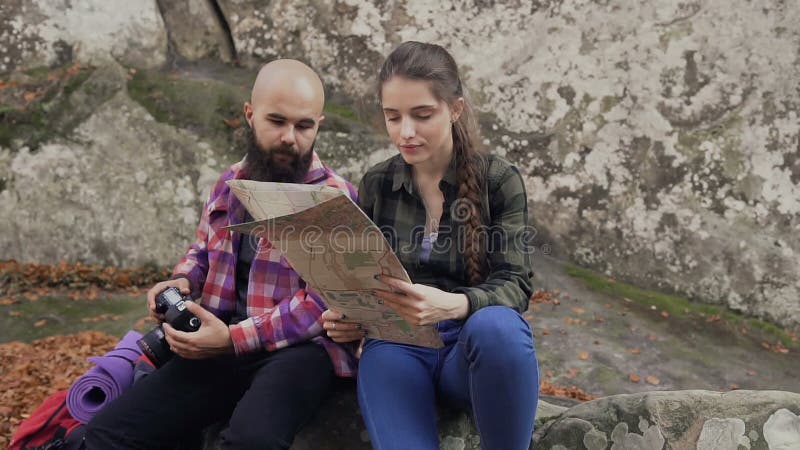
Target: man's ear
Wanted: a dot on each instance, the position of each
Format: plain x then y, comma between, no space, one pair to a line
319,121
457,108
248,113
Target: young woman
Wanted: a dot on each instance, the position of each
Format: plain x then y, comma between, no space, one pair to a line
458,220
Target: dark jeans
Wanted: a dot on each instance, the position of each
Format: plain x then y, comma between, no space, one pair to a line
268,397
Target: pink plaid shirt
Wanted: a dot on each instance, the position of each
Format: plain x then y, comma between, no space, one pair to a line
281,309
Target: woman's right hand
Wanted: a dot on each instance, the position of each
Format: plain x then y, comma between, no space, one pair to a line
181,283
340,331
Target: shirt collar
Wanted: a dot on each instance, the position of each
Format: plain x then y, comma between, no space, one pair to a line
317,171
402,175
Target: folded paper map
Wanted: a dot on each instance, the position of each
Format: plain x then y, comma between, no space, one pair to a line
337,250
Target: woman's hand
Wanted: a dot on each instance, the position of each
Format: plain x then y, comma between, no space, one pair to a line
420,304
340,331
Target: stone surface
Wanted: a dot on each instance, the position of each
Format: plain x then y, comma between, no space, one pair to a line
669,420
659,141
119,189
195,30
678,420
37,33
339,425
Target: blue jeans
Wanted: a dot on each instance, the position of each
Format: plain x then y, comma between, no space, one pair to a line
488,365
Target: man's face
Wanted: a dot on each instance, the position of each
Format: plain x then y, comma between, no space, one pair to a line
282,164
283,128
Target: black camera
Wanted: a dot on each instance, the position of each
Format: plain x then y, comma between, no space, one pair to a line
172,304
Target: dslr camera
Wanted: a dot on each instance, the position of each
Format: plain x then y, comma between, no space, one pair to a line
172,304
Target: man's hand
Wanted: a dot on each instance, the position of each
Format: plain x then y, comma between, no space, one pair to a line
420,304
180,283
212,339
340,331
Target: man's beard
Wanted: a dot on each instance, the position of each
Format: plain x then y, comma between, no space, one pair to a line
261,164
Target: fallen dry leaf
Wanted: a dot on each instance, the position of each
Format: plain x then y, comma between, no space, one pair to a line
750,373
545,331
572,373
40,323
583,355
734,386
577,310
714,318
33,371
547,388
29,96
653,380
664,314
633,377
635,351
652,337
233,123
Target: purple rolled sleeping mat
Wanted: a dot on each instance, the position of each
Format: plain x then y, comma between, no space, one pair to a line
110,377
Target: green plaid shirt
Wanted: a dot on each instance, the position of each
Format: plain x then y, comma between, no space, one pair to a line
389,197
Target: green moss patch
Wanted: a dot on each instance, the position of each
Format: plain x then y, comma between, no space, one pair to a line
207,107
29,320
38,107
681,307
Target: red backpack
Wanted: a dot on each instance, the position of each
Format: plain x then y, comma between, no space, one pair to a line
50,427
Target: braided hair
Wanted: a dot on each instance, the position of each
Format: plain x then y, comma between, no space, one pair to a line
432,63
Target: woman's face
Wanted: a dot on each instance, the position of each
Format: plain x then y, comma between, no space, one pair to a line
418,123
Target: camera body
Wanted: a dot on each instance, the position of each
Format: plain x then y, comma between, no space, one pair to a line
172,305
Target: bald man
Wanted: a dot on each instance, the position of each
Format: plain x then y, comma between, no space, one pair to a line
259,359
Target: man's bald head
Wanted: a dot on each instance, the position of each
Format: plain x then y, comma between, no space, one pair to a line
292,77
284,114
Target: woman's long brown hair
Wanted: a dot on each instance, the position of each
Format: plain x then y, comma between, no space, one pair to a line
432,63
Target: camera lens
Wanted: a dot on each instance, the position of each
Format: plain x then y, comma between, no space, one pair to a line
154,346
194,323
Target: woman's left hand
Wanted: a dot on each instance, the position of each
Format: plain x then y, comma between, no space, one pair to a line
419,304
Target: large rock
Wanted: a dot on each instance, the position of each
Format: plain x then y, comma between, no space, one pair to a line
676,420
115,182
659,140
195,30
339,425
118,189
679,420
52,32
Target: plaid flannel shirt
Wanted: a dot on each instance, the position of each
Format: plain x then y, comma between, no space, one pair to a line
387,195
282,309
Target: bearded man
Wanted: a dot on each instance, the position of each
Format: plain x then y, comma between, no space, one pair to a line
259,359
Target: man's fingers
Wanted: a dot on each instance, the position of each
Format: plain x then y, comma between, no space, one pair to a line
203,314
330,314
341,326
345,336
178,336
